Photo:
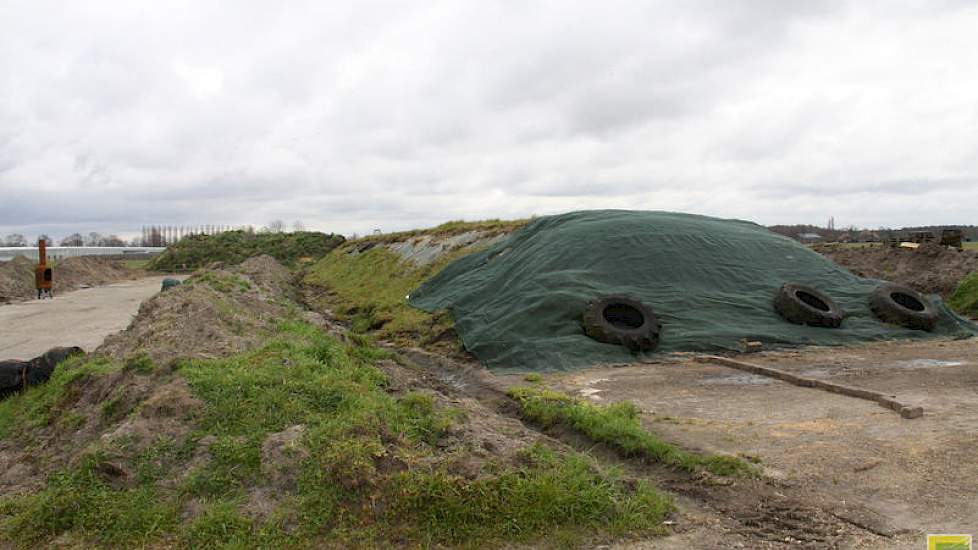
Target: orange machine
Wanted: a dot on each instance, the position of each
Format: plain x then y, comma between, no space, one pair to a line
42,273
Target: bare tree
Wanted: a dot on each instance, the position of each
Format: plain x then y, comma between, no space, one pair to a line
276,226
75,239
46,238
113,240
15,239
298,226
94,239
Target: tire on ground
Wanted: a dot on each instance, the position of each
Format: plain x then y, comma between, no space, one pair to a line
804,305
903,306
622,320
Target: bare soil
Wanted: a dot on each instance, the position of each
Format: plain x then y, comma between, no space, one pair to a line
932,269
203,320
17,276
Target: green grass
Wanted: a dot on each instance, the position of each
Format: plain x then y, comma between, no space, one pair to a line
970,245
965,297
370,291
234,247
453,227
79,501
220,281
34,408
619,427
369,468
136,264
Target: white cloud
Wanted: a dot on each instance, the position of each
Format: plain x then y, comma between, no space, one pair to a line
394,115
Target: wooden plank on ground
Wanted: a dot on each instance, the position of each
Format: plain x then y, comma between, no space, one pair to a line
906,411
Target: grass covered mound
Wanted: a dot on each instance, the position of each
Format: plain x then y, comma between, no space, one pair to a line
234,247
965,298
303,442
366,283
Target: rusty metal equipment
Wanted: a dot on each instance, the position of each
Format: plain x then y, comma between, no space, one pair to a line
43,276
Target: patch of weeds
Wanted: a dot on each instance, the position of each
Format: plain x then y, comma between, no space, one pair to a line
222,282
619,427
370,290
72,421
234,247
114,408
221,525
235,463
80,501
533,378
140,363
550,494
965,297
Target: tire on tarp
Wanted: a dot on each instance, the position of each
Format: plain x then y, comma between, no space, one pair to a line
903,306
804,305
622,320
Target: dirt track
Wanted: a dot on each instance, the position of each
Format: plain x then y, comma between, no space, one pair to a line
80,318
899,479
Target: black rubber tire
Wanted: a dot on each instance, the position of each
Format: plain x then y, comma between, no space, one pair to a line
622,320
903,306
12,374
804,305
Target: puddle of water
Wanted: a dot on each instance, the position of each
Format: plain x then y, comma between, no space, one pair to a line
592,393
926,363
738,380
815,372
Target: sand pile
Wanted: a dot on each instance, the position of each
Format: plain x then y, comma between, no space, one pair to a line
214,313
17,276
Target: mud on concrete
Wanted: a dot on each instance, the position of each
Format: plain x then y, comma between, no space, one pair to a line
842,463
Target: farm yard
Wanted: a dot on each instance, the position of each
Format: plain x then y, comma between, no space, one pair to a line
286,405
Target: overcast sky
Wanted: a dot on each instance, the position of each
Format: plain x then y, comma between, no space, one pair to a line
395,115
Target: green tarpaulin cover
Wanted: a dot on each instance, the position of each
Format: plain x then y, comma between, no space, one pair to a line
518,304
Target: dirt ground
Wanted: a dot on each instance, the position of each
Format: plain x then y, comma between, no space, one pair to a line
894,479
80,318
930,268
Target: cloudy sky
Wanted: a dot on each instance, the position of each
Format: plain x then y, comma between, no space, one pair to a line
363,115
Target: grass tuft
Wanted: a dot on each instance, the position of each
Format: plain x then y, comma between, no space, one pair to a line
965,298
619,427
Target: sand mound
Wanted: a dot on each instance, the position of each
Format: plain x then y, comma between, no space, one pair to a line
932,269
216,312
17,276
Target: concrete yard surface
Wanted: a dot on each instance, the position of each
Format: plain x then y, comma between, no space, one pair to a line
898,479
81,318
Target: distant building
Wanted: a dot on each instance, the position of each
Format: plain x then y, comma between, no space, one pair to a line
809,237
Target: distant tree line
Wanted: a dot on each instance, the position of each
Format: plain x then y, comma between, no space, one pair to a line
854,234
151,235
